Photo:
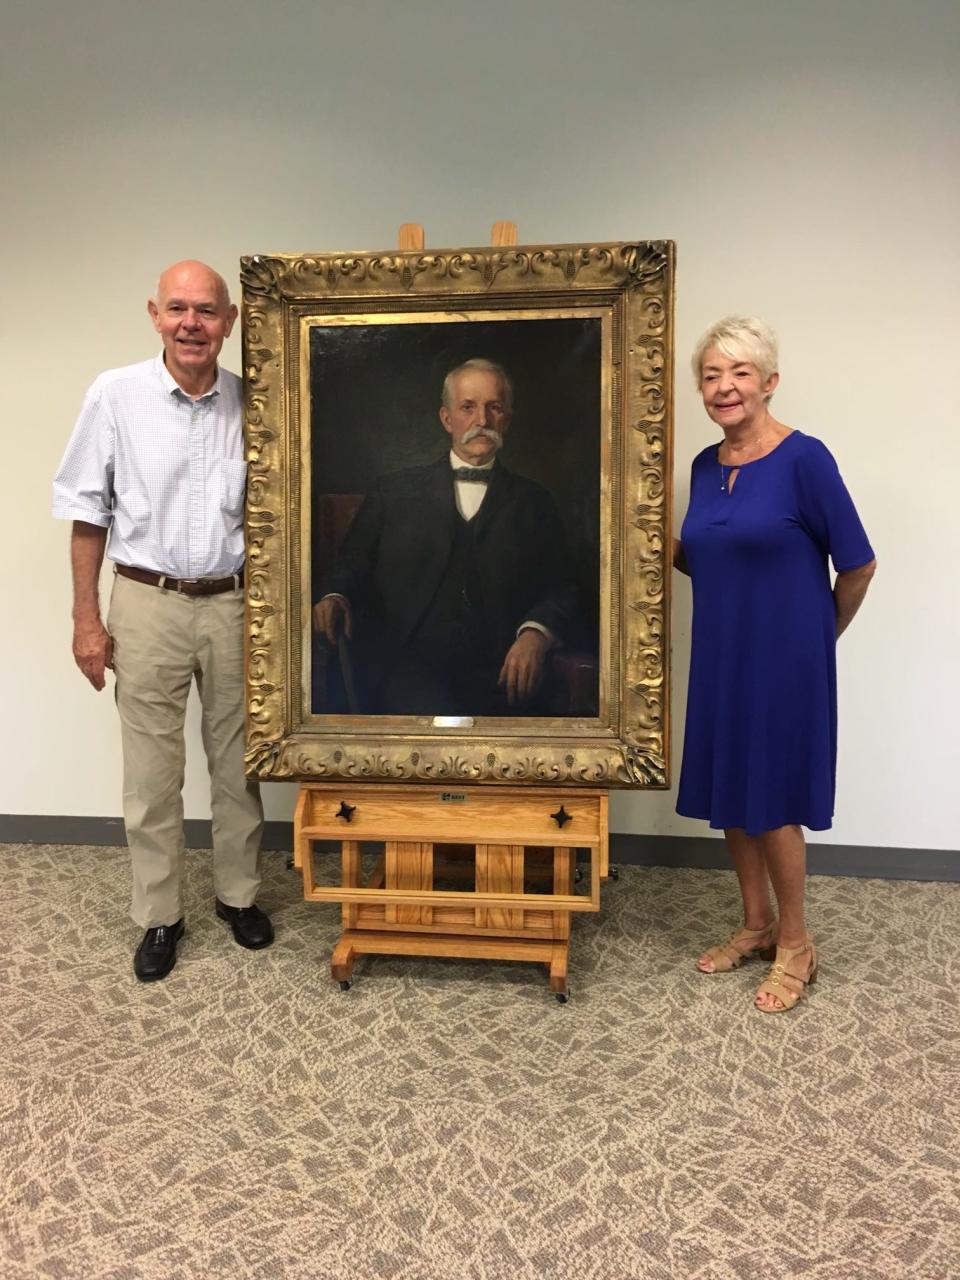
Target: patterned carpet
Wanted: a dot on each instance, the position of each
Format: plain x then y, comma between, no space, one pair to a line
447,1120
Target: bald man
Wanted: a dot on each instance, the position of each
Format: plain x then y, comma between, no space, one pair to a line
154,476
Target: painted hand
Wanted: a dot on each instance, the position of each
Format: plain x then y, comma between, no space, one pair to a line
332,615
522,669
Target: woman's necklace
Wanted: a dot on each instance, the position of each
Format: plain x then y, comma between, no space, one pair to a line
727,468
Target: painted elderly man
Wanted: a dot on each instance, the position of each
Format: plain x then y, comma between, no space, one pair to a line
154,477
458,569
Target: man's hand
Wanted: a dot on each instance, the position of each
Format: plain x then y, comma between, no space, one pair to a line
332,615
522,669
92,650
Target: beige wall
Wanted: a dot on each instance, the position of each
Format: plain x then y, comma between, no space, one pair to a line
804,157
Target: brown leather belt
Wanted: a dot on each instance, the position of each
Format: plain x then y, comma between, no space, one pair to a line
186,586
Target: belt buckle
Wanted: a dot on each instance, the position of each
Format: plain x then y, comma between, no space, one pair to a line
189,582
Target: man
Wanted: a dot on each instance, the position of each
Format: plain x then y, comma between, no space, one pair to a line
458,569
155,465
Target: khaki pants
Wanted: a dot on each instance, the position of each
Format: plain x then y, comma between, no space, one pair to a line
161,642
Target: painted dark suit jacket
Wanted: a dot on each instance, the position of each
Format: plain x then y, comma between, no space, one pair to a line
395,552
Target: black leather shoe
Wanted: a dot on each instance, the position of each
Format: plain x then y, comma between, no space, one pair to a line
251,926
157,953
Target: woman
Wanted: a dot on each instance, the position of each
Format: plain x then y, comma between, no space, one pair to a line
766,510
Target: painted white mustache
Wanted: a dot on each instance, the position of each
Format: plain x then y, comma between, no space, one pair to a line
489,433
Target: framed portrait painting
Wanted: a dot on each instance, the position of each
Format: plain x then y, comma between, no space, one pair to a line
458,521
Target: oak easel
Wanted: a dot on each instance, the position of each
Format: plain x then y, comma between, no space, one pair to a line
500,837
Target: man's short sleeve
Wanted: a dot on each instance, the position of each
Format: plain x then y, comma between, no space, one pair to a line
83,485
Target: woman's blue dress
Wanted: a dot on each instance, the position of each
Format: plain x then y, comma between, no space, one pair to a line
760,746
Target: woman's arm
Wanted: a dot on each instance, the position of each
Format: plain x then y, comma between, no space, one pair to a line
679,559
848,592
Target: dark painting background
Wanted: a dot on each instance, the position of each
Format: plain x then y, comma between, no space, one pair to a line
375,396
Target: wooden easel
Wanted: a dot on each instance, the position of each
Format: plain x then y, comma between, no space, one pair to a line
501,838
502,830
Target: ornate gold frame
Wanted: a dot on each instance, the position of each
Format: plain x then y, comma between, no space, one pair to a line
631,286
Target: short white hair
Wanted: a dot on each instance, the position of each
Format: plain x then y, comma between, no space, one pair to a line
484,366
739,338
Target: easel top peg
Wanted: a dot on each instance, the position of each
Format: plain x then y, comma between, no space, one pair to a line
411,237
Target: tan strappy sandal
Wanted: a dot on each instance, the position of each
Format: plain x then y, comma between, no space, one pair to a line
783,982
729,955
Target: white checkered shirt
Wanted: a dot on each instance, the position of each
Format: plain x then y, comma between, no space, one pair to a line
164,473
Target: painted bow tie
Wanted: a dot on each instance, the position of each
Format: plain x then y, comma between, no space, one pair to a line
479,475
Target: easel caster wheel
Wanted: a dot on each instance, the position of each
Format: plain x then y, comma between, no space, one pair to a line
562,997
578,875
344,986
614,873
290,864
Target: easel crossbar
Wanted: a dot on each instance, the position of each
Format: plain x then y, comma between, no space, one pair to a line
446,836
451,898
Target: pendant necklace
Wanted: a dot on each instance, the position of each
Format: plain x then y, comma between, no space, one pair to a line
727,468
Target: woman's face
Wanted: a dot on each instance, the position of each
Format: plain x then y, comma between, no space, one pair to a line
734,394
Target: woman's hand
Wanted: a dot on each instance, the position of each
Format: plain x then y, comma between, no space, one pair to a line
848,592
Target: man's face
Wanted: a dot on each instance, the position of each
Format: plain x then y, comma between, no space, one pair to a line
478,417
192,315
